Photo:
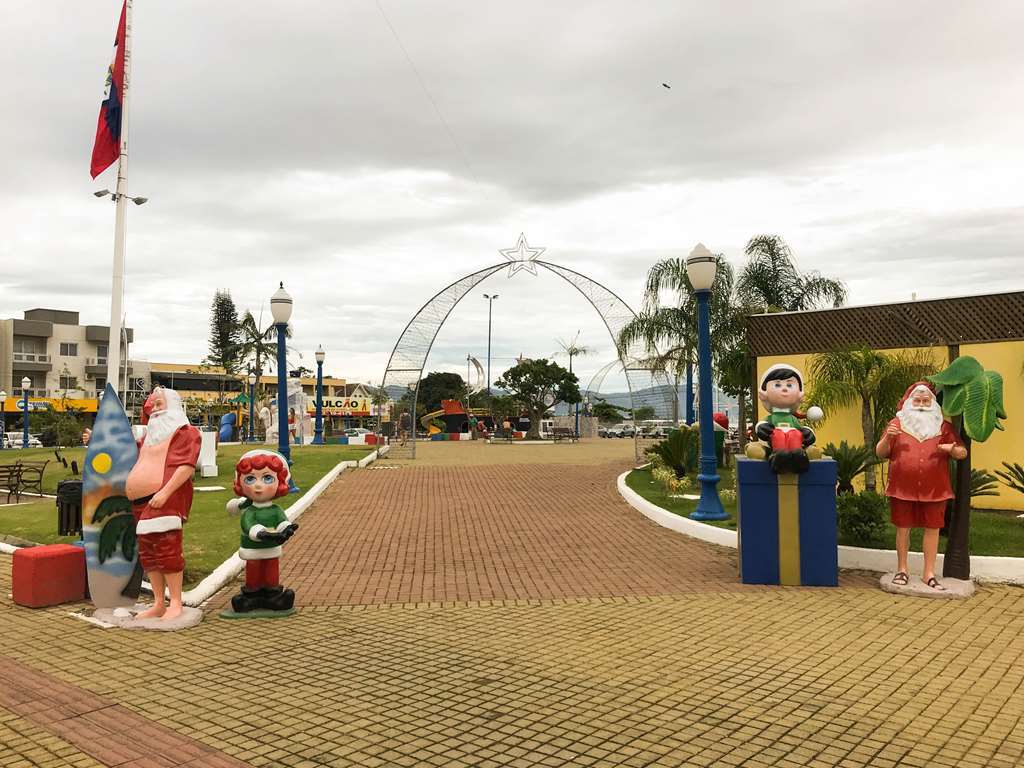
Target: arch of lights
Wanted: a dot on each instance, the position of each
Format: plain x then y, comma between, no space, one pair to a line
647,386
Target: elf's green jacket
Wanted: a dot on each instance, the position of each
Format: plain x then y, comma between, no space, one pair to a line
256,517
779,417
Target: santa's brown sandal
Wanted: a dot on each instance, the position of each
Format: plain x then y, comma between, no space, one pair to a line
901,579
934,584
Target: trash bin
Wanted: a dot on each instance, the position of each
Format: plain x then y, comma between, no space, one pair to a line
69,507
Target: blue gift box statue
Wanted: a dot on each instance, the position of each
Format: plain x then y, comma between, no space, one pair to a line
787,493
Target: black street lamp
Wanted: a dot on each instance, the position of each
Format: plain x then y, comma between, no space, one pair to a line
490,304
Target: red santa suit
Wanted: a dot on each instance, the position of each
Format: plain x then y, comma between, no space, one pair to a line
158,531
919,486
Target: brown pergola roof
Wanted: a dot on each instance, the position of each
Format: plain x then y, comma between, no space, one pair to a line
938,322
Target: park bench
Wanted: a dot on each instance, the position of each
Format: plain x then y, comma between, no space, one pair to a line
564,433
9,474
31,478
22,476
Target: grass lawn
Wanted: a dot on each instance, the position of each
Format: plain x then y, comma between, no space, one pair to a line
211,535
992,533
640,480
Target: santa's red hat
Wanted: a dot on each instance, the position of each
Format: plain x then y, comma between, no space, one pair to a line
911,389
147,408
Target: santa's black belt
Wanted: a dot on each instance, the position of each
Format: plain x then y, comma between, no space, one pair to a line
143,501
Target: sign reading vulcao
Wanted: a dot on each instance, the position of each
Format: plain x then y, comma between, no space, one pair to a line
344,406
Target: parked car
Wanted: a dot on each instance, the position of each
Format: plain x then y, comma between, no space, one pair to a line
16,440
357,432
602,431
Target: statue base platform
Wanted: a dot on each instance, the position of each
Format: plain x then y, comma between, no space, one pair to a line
124,618
956,589
260,613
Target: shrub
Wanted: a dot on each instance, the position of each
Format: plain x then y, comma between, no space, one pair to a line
983,483
1013,476
862,517
851,460
666,478
679,451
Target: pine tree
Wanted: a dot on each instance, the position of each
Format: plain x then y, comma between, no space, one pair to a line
224,334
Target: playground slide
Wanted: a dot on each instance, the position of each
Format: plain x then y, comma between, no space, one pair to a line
425,421
227,427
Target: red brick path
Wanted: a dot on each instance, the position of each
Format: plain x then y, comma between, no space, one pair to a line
103,729
511,532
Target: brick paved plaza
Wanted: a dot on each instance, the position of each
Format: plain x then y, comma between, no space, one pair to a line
502,606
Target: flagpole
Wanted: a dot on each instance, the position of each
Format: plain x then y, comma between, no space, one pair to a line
121,199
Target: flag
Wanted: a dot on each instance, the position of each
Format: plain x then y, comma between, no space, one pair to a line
107,147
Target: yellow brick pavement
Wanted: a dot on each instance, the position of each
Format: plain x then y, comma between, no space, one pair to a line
775,678
677,676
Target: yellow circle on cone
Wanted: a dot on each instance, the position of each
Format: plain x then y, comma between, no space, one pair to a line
101,463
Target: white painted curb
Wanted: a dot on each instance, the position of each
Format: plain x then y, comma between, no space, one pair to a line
8,549
713,534
984,568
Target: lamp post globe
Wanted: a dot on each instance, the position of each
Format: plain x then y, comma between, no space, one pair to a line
281,309
3,420
26,384
252,405
318,432
281,306
701,266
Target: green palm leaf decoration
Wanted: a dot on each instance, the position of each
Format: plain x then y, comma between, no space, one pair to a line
960,371
128,542
114,532
112,505
970,391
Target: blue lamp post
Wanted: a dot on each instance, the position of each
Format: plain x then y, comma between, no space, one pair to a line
26,384
252,405
3,420
701,266
318,432
281,309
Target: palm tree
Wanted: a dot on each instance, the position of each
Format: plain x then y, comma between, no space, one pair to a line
866,377
258,345
669,333
574,349
770,280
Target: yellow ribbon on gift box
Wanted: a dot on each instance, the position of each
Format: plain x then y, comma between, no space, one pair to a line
789,529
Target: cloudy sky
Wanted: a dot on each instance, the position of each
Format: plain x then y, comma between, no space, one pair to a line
369,154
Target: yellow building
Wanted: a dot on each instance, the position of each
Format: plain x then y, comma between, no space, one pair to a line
989,328
206,382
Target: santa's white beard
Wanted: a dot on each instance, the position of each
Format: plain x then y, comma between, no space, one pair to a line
922,423
162,425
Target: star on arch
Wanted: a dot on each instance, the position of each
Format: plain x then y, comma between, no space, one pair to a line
522,256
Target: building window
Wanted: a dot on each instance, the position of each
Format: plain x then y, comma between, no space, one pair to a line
69,382
101,353
101,383
67,349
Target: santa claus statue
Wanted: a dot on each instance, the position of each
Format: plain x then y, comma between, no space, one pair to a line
919,444
160,489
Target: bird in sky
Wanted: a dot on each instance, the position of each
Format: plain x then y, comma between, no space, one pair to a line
666,85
